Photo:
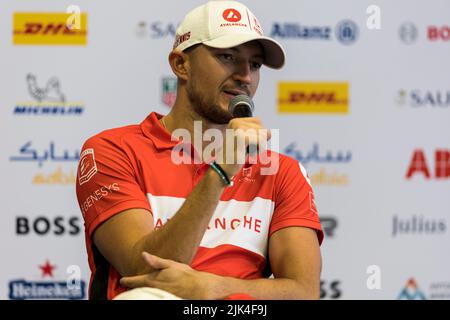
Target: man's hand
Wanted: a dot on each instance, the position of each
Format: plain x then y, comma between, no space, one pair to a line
171,276
247,132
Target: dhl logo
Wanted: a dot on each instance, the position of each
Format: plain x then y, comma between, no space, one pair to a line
49,29
313,97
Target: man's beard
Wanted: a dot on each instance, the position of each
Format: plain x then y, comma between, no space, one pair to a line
206,109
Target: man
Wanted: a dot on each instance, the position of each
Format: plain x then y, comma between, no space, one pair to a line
203,230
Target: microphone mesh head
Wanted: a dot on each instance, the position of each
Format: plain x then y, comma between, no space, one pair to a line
241,106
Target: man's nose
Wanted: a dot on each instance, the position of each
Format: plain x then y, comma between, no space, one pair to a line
242,73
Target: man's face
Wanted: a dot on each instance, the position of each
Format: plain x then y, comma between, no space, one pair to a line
217,75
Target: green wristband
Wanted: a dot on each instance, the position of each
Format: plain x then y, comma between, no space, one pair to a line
222,174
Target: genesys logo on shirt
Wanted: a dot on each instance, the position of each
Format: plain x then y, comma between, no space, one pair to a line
49,28
97,195
313,97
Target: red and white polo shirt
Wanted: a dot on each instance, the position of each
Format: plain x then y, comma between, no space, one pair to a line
131,167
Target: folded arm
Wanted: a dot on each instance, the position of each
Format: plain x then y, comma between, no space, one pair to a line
295,260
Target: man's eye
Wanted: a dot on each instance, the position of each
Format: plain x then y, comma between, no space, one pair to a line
256,65
226,56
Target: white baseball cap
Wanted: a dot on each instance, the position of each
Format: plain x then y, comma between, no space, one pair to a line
226,24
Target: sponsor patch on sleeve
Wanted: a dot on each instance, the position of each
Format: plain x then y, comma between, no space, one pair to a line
87,168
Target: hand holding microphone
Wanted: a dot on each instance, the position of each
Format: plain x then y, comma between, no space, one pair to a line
249,134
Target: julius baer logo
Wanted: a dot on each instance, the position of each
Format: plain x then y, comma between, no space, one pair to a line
47,287
50,154
48,99
324,166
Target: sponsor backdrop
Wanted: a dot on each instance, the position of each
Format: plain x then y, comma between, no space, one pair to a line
365,110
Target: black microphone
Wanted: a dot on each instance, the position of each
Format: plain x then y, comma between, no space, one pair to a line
241,106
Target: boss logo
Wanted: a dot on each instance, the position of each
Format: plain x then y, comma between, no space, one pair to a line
41,225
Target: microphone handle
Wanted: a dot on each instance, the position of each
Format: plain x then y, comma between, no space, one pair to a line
244,111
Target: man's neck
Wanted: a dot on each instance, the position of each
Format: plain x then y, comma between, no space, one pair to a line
184,117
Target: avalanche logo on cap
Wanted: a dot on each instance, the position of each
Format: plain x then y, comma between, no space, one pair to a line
232,15
233,18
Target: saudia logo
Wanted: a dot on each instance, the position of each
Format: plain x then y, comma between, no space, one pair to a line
72,288
156,30
436,99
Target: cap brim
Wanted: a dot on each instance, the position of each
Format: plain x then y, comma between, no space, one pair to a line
274,56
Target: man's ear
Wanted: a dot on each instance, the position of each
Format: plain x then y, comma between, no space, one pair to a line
180,64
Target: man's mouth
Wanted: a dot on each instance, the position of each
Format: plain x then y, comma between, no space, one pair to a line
232,93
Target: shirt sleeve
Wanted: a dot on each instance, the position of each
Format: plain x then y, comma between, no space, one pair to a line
294,201
106,182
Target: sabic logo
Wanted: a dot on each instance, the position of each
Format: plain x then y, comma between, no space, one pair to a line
419,165
408,33
439,33
411,291
423,98
417,225
347,32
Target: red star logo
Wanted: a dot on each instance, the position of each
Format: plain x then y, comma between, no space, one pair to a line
47,269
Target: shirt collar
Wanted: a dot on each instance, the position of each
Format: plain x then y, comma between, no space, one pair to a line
161,137
153,129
